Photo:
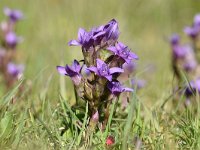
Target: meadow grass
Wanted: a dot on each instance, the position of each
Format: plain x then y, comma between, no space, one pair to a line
42,117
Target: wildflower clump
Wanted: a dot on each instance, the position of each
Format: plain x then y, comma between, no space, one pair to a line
9,70
96,77
186,60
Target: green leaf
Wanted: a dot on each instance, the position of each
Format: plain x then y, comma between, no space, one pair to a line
6,126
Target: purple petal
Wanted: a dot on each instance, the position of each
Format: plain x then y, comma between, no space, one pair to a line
76,79
93,69
133,55
73,43
115,70
81,34
112,49
7,11
127,90
76,67
109,78
197,20
120,45
100,63
61,70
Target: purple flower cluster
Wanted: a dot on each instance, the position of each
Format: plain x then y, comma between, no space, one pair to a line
185,58
183,55
194,30
9,41
96,80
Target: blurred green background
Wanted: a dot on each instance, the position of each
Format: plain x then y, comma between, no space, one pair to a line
145,26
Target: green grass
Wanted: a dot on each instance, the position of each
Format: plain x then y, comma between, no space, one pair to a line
42,117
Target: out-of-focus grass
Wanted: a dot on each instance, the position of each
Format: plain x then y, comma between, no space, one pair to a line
144,25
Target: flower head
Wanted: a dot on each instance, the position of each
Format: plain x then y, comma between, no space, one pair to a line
116,88
192,31
85,39
72,71
190,65
175,39
181,51
103,70
15,70
111,31
139,83
197,20
97,36
193,87
123,52
11,39
14,15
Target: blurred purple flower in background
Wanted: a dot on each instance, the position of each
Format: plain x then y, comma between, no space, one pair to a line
103,70
192,31
175,39
129,67
15,70
123,52
116,88
72,71
190,65
11,39
14,15
139,83
197,20
193,87
11,72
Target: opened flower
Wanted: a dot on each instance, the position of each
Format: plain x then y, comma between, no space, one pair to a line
85,39
72,71
123,52
103,70
116,88
108,33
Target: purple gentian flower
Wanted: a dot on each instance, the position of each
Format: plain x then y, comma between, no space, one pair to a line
11,39
139,83
116,88
123,52
190,65
175,39
192,31
193,87
72,71
197,20
103,70
85,39
14,15
111,31
181,51
129,67
97,36
15,70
